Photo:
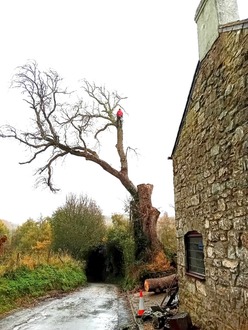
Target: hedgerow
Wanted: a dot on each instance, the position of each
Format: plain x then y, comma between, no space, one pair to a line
24,284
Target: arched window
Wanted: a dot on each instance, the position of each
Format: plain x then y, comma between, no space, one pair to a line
194,254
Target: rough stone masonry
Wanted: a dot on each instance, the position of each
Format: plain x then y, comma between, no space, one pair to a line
210,162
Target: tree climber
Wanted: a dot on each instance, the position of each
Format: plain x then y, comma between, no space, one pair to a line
119,116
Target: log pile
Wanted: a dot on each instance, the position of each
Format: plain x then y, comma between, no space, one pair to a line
167,315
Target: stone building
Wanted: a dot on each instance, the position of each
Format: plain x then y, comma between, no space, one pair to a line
210,165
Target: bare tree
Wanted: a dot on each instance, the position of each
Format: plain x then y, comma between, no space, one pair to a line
59,129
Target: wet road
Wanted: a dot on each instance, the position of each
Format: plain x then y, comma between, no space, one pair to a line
95,307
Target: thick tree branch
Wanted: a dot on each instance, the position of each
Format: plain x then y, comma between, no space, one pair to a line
59,128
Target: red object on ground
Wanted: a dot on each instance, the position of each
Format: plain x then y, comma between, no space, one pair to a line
141,304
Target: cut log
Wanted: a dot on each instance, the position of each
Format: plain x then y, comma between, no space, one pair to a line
160,284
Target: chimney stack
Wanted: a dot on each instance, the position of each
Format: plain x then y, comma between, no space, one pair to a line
210,14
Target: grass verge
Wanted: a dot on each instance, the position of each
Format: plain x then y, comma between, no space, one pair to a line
23,285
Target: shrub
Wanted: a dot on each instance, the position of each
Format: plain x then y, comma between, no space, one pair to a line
121,247
78,226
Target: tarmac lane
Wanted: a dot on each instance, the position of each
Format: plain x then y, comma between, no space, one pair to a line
97,306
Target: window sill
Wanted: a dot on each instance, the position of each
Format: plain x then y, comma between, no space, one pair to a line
196,275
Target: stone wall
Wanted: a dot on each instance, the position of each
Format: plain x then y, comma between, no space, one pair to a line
210,164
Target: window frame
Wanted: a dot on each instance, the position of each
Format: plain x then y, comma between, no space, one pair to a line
188,265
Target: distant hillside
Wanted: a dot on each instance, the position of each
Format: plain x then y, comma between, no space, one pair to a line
108,220
11,226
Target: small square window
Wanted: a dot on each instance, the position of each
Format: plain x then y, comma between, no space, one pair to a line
194,254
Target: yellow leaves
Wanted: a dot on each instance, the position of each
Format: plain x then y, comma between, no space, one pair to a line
3,228
29,261
159,263
166,230
42,246
33,236
34,259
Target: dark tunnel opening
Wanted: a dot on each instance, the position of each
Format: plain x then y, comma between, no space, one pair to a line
104,264
96,265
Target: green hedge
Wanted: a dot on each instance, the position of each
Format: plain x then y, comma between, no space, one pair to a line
24,283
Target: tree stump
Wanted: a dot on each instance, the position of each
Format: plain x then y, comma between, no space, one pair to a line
180,321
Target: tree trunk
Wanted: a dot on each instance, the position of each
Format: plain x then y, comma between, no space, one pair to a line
160,284
49,134
145,218
149,215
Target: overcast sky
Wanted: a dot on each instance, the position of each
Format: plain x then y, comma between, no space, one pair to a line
146,50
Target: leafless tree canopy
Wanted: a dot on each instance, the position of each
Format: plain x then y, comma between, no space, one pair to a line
60,128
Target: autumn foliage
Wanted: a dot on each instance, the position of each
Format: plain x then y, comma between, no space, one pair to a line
166,229
3,240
